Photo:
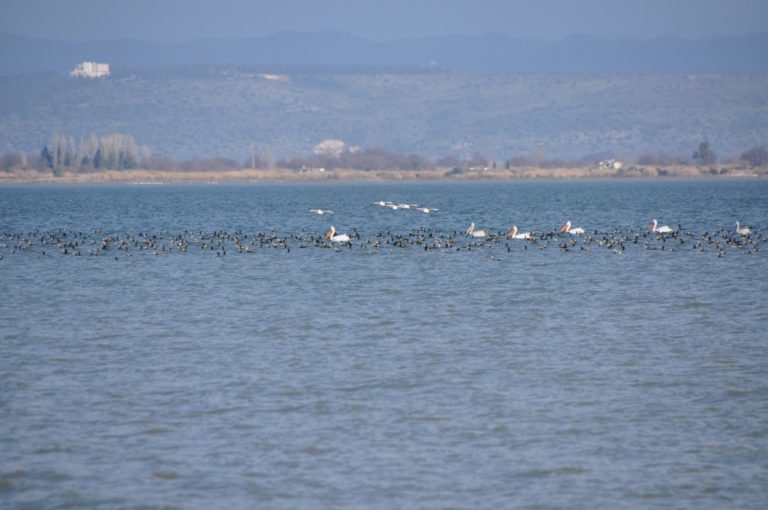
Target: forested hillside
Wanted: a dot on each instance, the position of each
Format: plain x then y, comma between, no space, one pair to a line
205,111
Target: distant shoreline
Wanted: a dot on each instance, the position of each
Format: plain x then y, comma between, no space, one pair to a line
721,172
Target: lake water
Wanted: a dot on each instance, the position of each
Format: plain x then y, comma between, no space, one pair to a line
416,368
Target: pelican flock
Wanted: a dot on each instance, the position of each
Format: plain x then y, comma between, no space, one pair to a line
404,206
618,240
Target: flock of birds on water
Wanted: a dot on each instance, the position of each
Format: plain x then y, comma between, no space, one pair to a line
568,238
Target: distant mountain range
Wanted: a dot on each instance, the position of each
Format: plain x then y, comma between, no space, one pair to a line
488,53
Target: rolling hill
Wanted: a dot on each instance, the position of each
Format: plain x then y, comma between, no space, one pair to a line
202,111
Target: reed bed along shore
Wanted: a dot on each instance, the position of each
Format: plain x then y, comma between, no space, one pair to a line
448,174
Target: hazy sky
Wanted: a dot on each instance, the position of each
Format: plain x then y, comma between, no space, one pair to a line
176,20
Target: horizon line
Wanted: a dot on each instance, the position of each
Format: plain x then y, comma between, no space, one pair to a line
543,40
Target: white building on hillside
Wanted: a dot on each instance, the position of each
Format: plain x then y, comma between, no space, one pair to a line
90,70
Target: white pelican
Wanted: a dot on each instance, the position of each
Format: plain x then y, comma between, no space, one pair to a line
475,233
320,212
664,229
573,231
512,234
427,210
380,203
744,231
336,238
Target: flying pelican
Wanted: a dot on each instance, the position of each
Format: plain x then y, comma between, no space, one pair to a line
744,231
664,229
573,231
475,233
512,234
336,238
427,210
320,212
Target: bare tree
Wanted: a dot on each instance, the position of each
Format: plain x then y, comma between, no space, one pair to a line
756,156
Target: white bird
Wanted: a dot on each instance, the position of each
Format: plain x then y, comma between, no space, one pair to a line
336,238
512,234
744,231
573,231
475,233
664,229
320,212
380,203
427,210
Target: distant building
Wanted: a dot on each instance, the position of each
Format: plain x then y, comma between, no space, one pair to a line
610,163
90,70
273,77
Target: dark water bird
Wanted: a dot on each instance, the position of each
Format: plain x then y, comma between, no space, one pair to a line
617,240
